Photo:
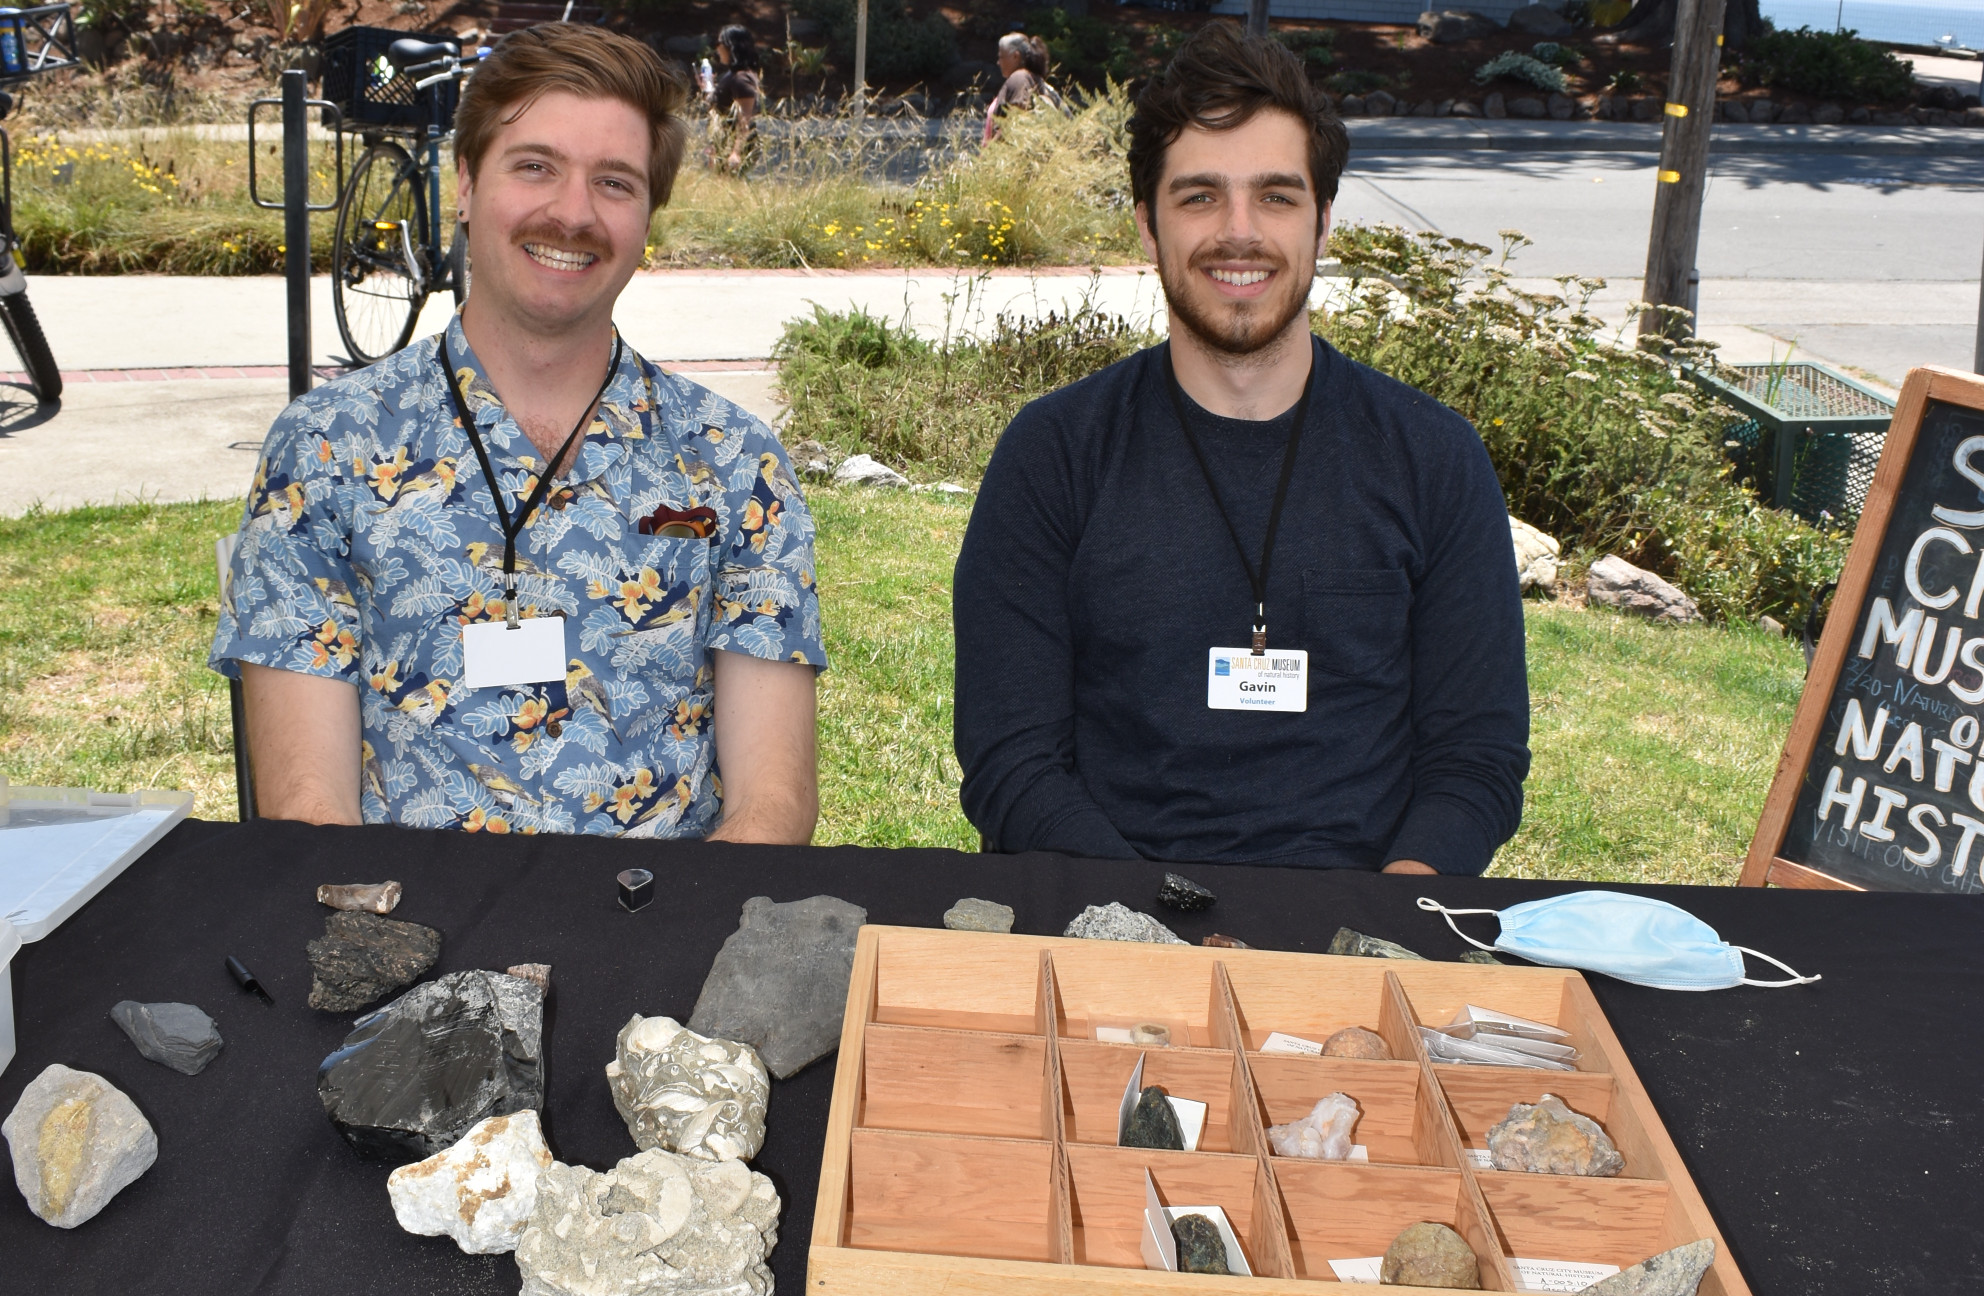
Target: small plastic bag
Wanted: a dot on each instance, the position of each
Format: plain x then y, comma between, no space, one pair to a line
1322,1135
1442,1047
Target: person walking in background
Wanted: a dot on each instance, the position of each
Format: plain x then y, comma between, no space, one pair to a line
734,100
1023,62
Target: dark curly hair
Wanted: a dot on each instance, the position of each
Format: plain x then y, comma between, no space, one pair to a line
1219,80
743,49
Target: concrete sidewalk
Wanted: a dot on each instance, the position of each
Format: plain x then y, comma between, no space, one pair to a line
173,381
1386,136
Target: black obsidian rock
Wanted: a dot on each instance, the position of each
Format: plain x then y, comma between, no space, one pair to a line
418,1073
361,958
1184,895
177,1035
1153,1124
1200,1249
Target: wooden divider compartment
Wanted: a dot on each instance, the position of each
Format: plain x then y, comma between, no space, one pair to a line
970,1144
1339,1211
1393,1123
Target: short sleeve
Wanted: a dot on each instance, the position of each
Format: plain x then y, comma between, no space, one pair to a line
290,600
767,597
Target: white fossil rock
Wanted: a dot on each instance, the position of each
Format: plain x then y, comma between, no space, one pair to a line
480,1191
684,1092
657,1224
77,1142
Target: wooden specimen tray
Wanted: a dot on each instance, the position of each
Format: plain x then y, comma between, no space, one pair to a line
971,1147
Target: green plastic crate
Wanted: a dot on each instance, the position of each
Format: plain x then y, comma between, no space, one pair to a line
1809,438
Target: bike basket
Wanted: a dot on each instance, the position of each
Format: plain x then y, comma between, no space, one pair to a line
365,87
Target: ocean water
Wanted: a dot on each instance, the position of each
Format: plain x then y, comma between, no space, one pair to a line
1911,24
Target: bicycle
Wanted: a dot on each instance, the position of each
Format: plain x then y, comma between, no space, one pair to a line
32,41
386,253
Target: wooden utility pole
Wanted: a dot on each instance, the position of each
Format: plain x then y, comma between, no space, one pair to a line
861,56
1257,17
1677,198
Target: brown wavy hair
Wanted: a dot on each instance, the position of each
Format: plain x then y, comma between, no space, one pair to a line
1219,80
582,60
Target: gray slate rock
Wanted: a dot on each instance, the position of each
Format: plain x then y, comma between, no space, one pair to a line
657,1224
1114,921
361,958
177,1035
779,983
1671,1273
1430,1255
866,470
1616,583
979,915
418,1074
77,1142
1358,945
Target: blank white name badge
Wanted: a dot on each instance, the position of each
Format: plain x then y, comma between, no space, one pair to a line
1236,680
495,656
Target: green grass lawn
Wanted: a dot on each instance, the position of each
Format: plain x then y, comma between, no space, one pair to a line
1654,745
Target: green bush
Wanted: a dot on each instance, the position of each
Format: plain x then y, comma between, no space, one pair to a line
1357,81
1521,67
1609,448
1082,50
1834,65
1315,46
900,48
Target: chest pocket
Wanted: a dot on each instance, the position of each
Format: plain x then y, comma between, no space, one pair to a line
1355,622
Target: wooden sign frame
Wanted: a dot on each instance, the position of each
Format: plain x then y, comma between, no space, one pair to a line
1764,865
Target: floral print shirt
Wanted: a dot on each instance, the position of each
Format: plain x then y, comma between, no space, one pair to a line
370,540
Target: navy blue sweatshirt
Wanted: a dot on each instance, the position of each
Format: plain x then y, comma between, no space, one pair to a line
1096,573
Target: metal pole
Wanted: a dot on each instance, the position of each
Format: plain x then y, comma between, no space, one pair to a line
1677,199
860,55
1257,17
1977,361
296,224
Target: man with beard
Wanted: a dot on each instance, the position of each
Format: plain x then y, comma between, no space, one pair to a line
1237,598
516,578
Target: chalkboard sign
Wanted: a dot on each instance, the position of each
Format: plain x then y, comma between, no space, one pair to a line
1881,785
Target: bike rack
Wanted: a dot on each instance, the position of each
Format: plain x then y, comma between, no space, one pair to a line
296,208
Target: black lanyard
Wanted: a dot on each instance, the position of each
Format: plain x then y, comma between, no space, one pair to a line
513,525
1258,580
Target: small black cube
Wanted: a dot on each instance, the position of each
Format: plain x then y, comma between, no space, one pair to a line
636,889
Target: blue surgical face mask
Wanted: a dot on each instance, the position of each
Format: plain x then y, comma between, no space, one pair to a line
1647,942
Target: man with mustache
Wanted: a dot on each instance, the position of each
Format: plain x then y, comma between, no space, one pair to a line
1237,598
515,578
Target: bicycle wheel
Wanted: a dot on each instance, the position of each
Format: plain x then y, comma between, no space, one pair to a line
458,271
32,346
378,267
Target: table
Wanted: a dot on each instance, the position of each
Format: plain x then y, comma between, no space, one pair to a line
1834,1129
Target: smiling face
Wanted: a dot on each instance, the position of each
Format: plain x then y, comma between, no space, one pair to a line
558,213
1235,231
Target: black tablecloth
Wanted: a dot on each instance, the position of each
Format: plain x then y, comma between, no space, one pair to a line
1835,1129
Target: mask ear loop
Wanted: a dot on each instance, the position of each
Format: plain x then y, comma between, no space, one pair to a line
1433,906
1774,985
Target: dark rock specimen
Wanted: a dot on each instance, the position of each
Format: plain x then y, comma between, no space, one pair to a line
361,958
1184,895
171,1034
1153,1124
418,1073
1430,1255
1200,1248
1357,943
779,983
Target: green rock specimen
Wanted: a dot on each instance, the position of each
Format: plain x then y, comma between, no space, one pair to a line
1200,1249
1153,1124
1357,943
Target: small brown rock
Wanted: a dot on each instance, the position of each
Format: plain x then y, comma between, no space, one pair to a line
1430,1255
360,897
538,974
1356,1042
1549,1138
1218,941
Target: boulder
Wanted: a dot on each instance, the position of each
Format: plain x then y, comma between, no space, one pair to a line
1616,583
1795,115
1527,107
1466,108
1645,109
1561,107
1536,557
1426,108
1379,103
1763,111
1352,106
1971,116
1540,20
1860,116
1448,26
1495,107
1828,114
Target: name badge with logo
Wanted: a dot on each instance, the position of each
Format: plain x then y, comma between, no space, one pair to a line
1237,680
496,656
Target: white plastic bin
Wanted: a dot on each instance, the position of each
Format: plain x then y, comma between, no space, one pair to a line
10,945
